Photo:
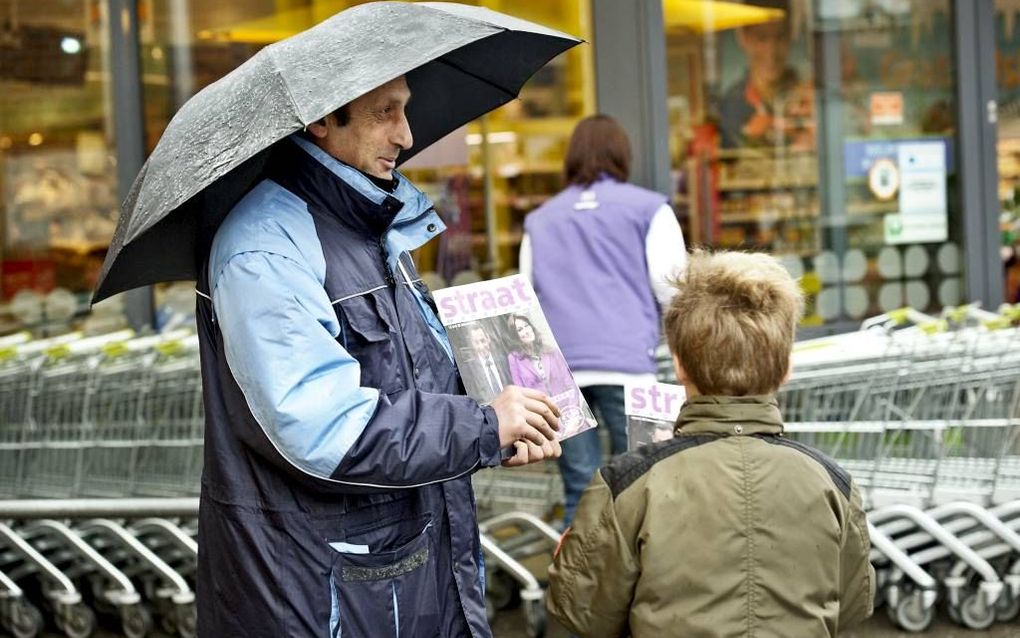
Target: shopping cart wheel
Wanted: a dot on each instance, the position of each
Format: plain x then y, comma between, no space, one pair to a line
25,620
1007,608
502,589
975,613
77,621
954,613
135,621
490,609
534,618
168,622
187,620
910,614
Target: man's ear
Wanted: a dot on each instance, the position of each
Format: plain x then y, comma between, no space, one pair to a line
789,372
318,128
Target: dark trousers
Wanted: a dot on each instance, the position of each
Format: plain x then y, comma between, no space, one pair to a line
582,454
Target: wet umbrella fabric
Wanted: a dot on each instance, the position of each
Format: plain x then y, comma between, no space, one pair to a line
460,62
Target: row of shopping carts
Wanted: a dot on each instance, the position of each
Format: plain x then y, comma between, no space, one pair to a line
100,461
925,414
128,562
101,451
111,416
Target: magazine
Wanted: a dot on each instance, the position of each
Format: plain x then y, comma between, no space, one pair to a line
500,337
651,409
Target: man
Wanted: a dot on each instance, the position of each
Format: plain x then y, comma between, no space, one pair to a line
487,373
336,495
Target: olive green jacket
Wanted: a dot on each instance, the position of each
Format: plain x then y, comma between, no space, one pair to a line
729,529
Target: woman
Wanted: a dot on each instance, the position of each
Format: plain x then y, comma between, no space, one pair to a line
600,255
534,365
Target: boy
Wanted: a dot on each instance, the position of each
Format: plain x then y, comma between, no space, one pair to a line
728,529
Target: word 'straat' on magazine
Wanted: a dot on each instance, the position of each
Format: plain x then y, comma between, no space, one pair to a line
652,410
464,303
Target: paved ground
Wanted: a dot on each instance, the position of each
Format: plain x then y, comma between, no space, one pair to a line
510,624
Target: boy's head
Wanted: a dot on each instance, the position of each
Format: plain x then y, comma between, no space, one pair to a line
732,324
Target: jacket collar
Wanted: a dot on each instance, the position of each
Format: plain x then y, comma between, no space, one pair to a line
757,414
404,220
305,169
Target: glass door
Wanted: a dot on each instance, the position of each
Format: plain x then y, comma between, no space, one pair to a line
825,133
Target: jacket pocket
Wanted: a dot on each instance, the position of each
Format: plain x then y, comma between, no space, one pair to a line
386,593
369,336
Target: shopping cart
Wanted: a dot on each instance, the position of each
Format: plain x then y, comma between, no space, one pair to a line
129,559
173,421
20,360
923,411
513,505
111,416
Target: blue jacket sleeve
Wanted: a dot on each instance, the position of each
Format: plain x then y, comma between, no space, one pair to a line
279,332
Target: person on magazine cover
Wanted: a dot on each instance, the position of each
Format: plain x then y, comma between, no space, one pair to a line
534,364
729,528
598,255
336,493
487,371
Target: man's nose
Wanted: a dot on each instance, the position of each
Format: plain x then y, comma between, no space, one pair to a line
402,133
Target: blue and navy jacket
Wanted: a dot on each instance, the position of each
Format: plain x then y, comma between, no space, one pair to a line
336,494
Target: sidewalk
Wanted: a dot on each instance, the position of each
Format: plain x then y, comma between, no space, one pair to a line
510,624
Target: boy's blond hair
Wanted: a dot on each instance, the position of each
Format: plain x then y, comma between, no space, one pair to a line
733,321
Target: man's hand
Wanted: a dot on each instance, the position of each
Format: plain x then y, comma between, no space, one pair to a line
528,420
527,452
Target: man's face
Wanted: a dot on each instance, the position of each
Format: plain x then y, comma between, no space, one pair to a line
376,133
480,341
767,47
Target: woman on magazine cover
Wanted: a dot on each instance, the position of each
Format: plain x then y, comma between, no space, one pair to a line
534,365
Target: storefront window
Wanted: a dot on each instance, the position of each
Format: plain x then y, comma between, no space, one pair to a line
58,191
1007,73
483,178
822,132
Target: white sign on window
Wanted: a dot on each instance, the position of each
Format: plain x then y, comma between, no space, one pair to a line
922,195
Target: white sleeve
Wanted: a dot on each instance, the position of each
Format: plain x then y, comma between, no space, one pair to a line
524,259
665,252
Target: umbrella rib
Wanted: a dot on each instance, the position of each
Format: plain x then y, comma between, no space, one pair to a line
477,77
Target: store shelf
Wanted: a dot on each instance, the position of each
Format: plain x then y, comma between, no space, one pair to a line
1008,144
778,250
77,246
762,153
762,184
737,218
871,208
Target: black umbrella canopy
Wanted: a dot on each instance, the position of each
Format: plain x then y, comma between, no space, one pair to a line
460,63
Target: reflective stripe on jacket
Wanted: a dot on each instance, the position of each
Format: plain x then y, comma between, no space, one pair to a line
336,495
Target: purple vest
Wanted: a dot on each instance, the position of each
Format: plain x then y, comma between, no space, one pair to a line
591,276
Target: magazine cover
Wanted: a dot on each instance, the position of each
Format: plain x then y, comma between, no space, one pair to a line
651,410
500,337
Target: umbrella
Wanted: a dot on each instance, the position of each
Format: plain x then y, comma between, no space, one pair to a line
460,62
